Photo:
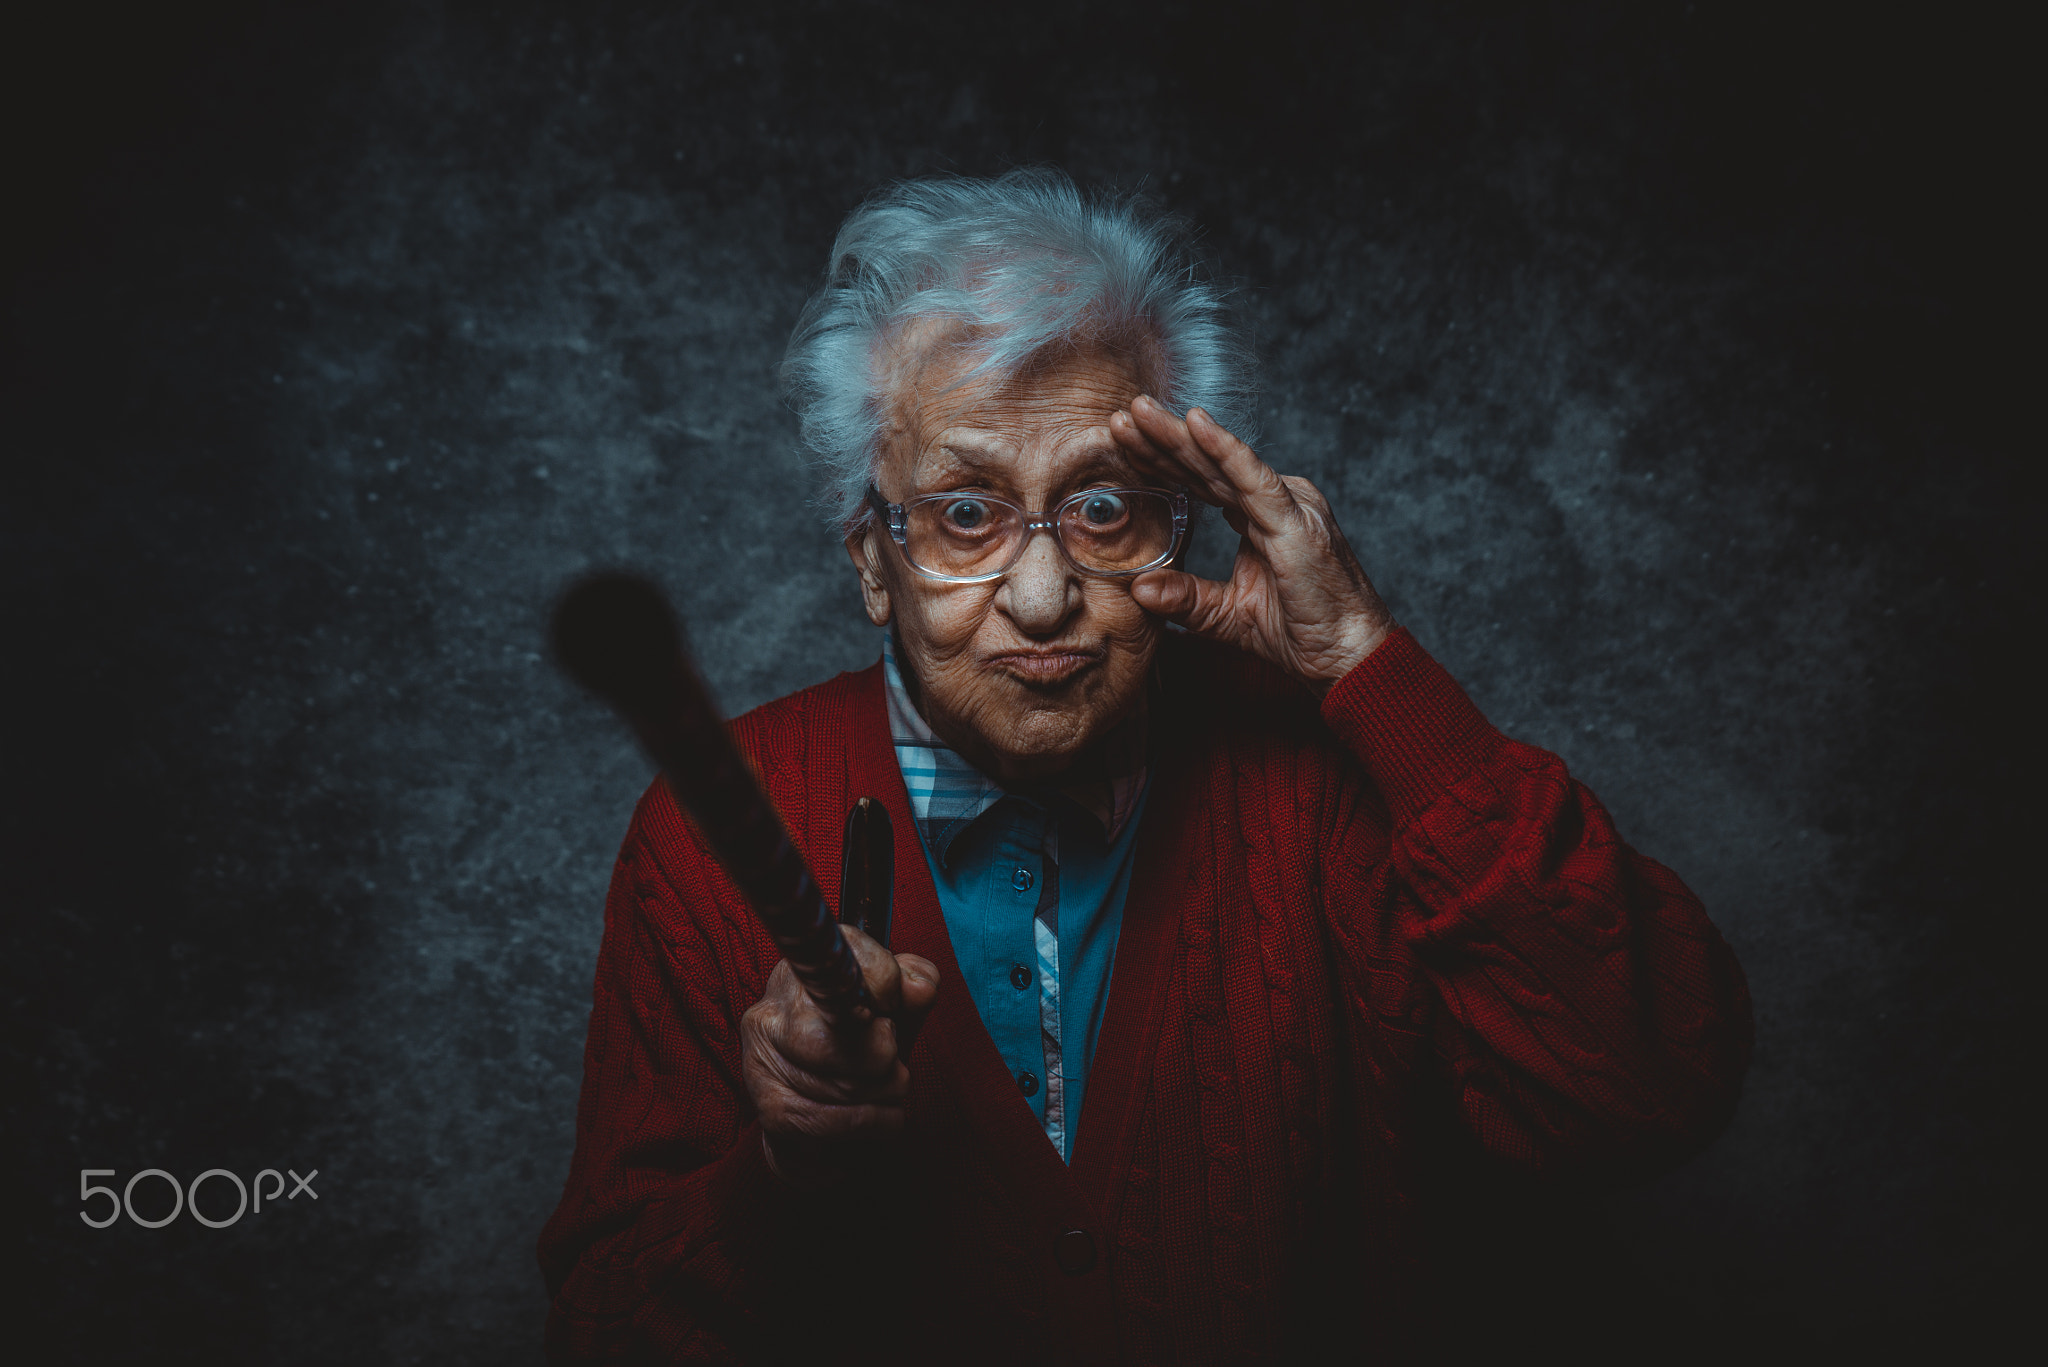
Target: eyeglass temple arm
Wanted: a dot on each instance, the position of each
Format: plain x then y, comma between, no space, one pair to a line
888,511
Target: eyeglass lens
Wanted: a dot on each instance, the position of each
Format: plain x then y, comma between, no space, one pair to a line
1109,531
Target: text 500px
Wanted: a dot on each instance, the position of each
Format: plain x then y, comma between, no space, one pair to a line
187,1197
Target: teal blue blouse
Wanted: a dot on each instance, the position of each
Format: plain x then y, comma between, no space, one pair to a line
997,872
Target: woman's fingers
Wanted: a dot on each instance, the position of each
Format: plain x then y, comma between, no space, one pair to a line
1200,605
1220,468
1261,491
1165,465
1162,442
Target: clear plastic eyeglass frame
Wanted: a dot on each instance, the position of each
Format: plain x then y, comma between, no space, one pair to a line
896,517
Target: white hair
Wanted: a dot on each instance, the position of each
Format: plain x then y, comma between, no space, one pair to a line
1021,266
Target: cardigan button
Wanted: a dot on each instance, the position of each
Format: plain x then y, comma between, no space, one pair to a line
1020,977
1074,1251
1021,879
1027,1083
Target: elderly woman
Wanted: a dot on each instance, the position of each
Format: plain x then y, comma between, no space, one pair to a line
1210,897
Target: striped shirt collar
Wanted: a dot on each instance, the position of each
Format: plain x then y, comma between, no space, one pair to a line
947,793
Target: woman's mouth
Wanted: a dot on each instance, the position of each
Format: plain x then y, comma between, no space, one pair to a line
1044,668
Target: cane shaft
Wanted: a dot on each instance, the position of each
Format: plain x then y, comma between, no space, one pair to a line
619,638
714,783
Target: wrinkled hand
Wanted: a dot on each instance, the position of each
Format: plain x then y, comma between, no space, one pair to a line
819,1086
1297,596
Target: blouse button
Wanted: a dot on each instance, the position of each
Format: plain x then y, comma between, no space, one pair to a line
1074,1251
1020,977
1021,880
1027,1083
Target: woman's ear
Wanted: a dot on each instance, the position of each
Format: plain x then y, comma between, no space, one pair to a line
874,594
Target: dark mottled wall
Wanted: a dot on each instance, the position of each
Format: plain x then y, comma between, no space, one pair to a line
1653,356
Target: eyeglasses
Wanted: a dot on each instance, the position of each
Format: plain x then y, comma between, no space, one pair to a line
971,538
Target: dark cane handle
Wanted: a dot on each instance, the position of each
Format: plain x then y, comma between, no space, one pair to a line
867,870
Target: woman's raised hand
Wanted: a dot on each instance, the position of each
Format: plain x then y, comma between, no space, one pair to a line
1296,596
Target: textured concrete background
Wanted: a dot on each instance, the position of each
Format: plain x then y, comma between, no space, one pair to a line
1651,357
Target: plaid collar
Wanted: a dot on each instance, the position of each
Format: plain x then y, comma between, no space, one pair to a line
947,793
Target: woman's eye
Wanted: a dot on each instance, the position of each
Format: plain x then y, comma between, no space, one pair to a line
967,513
1102,509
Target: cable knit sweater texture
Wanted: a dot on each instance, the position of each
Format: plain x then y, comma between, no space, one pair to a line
1346,922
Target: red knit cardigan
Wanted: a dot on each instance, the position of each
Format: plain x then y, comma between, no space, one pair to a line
1340,925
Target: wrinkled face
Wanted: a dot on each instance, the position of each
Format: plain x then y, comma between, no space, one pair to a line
1024,674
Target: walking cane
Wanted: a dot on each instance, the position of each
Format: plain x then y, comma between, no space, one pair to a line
617,636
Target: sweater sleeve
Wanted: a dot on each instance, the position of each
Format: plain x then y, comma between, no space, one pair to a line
1575,999
659,1250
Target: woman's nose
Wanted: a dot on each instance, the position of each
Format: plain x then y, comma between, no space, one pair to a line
1040,590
